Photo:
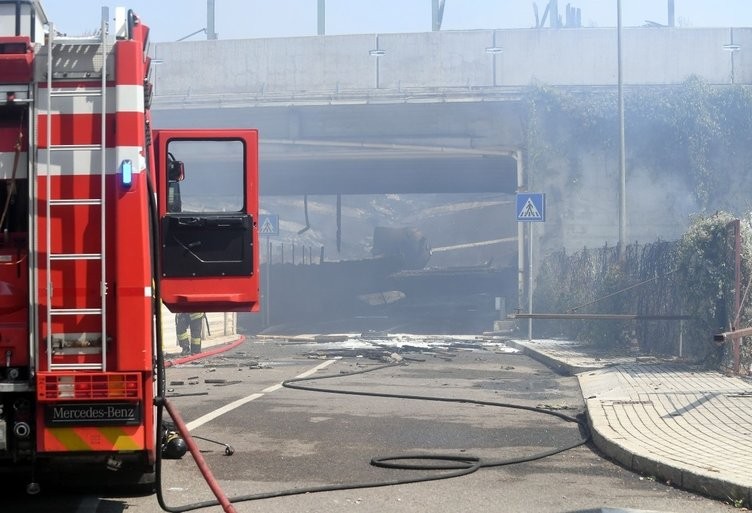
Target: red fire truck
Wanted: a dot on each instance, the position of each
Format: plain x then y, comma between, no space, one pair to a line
102,219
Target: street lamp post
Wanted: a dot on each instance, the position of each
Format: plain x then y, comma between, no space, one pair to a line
732,48
622,148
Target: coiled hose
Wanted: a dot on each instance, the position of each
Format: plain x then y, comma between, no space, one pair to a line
454,465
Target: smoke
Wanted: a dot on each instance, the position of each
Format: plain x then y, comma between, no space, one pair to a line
583,203
659,205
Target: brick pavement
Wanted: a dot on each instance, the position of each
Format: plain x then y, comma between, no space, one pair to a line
689,427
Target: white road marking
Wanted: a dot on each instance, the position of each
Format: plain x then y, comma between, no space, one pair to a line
307,373
240,402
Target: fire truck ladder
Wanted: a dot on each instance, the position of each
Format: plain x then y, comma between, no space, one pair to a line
64,63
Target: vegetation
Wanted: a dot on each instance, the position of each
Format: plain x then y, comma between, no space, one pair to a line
694,132
693,277
700,132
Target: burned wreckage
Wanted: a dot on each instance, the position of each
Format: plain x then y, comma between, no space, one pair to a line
395,290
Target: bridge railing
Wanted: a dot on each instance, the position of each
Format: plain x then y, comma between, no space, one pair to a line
449,64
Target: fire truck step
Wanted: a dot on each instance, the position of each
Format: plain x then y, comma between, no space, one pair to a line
76,311
75,93
75,201
75,147
76,366
76,256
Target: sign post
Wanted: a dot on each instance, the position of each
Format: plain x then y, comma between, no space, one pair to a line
268,227
531,208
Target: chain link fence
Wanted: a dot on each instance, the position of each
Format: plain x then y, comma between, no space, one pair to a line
682,292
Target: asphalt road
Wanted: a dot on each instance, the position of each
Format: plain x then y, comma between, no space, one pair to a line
285,439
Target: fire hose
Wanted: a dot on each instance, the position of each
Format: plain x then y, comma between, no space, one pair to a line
455,465
12,186
222,499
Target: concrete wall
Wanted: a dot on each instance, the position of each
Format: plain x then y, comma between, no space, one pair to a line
587,57
328,68
582,203
222,329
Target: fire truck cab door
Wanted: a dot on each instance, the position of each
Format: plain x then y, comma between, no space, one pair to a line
207,196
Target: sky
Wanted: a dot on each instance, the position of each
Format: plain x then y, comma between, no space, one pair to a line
171,20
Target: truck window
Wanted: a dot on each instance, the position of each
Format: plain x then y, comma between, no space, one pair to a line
213,176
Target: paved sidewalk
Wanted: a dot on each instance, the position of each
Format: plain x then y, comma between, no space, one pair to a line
680,424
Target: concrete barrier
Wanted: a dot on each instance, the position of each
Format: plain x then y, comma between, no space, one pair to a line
221,330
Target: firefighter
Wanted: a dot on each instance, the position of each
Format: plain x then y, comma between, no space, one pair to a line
190,344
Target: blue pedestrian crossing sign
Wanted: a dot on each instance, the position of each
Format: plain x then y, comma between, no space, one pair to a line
531,207
268,224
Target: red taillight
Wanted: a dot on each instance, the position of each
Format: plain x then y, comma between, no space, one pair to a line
82,388
86,386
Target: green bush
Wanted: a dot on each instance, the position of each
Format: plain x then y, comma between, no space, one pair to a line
694,277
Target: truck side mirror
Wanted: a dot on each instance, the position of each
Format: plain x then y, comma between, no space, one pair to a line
175,171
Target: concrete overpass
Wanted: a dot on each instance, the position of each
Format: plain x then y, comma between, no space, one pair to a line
433,112
422,112
405,112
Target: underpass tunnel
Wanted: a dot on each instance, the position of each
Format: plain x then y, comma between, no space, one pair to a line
460,203
323,167
333,189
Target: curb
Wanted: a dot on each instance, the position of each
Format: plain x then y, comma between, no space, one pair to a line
558,366
671,475
211,352
642,464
